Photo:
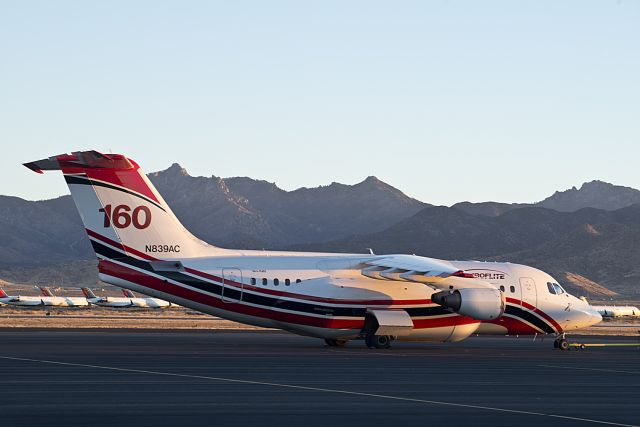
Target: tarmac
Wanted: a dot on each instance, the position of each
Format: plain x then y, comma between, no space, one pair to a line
237,378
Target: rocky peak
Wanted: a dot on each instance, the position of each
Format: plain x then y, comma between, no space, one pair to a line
595,194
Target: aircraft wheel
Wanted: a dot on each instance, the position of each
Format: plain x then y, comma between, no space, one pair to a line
555,343
563,344
335,342
378,341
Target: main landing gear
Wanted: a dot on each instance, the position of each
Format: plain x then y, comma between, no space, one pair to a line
561,343
378,341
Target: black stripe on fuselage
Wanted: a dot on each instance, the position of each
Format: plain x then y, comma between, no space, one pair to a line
528,316
74,179
267,301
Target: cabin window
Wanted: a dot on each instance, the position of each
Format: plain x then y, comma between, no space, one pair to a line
502,288
253,281
287,282
512,289
264,281
298,280
276,282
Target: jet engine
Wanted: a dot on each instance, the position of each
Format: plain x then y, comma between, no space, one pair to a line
477,303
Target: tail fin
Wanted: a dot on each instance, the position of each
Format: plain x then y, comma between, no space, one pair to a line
45,291
3,294
88,293
127,293
122,212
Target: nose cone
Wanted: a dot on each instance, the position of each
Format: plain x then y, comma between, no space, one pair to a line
587,316
581,318
594,316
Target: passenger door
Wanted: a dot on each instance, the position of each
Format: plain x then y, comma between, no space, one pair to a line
528,291
232,285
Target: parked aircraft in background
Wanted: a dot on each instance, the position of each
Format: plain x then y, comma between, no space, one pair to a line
142,246
23,300
116,302
4,298
62,301
147,302
617,311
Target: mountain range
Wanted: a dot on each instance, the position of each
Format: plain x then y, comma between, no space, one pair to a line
587,237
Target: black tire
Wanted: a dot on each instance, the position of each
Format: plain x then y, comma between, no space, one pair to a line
555,344
379,341
331,342
563,344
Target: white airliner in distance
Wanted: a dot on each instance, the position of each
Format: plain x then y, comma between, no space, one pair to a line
617,310
141,245
145,302
114,302
62,301
26,301
19,300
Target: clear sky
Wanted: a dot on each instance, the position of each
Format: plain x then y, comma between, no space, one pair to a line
446,100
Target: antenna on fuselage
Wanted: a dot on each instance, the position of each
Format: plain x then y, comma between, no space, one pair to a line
371,251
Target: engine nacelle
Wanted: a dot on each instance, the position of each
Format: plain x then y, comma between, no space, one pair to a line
477,303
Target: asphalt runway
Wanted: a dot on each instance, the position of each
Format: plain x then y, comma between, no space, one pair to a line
151,378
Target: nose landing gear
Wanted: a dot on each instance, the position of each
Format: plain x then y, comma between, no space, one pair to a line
561,343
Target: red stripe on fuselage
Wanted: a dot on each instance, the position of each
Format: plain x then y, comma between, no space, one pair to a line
134,276
219,280
515,326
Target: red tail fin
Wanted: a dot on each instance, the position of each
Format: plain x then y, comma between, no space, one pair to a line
127,293
3,294
88,293
46,292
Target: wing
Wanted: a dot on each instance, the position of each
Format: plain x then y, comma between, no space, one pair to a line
438,274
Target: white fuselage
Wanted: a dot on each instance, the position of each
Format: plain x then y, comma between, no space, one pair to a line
327,295
114,302
45,301
149,303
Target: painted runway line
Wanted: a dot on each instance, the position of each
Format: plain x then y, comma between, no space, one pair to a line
320,389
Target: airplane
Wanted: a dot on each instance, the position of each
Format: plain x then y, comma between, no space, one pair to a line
142,246
114,302
147,302
617,310
19,300
62,301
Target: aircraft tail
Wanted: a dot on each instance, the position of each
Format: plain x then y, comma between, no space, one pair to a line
3,294
127,293
88,293
123,214
45,291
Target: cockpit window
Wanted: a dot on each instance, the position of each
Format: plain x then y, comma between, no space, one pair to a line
554,288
